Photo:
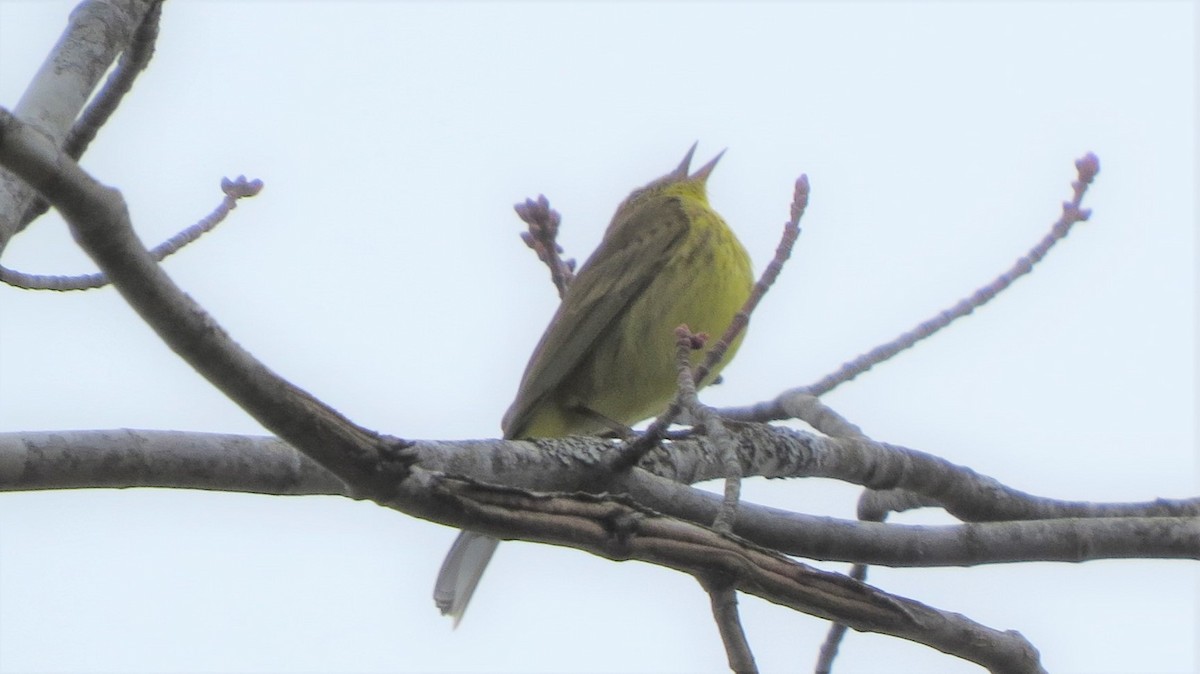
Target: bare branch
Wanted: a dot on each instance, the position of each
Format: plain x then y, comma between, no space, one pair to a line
791,231
141,458
100,223
240,188
837,631
772,410
714,428
773,451
622,530
725,612
809,409
616,528
1086,168
95,34
542,238
633,452
57,460
133,61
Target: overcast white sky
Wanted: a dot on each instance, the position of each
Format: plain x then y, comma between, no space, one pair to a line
381,270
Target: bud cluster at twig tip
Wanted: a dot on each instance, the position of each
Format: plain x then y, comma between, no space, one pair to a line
542,223
240,187
800,196
1088,166
692,340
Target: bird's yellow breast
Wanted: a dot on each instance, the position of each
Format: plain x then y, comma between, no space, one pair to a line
630,374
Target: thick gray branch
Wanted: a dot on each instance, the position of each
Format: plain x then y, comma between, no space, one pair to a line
128,458
96,34
622,530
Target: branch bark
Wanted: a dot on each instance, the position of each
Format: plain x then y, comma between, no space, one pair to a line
137,458
96,34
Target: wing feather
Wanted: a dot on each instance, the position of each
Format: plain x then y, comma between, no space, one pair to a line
620,269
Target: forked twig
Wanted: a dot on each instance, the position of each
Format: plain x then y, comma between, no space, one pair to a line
133,61
703,415
1087,167
791,404
239,188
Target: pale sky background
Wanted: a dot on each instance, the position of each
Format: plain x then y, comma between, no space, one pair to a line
381,270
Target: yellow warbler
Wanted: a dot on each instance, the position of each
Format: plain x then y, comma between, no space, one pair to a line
607,359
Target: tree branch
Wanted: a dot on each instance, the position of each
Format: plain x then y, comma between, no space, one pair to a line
233,190
385,470
100,223
96,34
785,404
725,613
134,60
135,458
621,530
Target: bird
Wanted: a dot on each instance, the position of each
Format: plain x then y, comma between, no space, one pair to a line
607,358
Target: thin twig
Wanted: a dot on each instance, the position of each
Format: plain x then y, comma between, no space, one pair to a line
133,61
802,405
633,451
371,464
723,599
703,415
239,188
587,522
791,231
837,631
820,416
1087,167
542,238
867,512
